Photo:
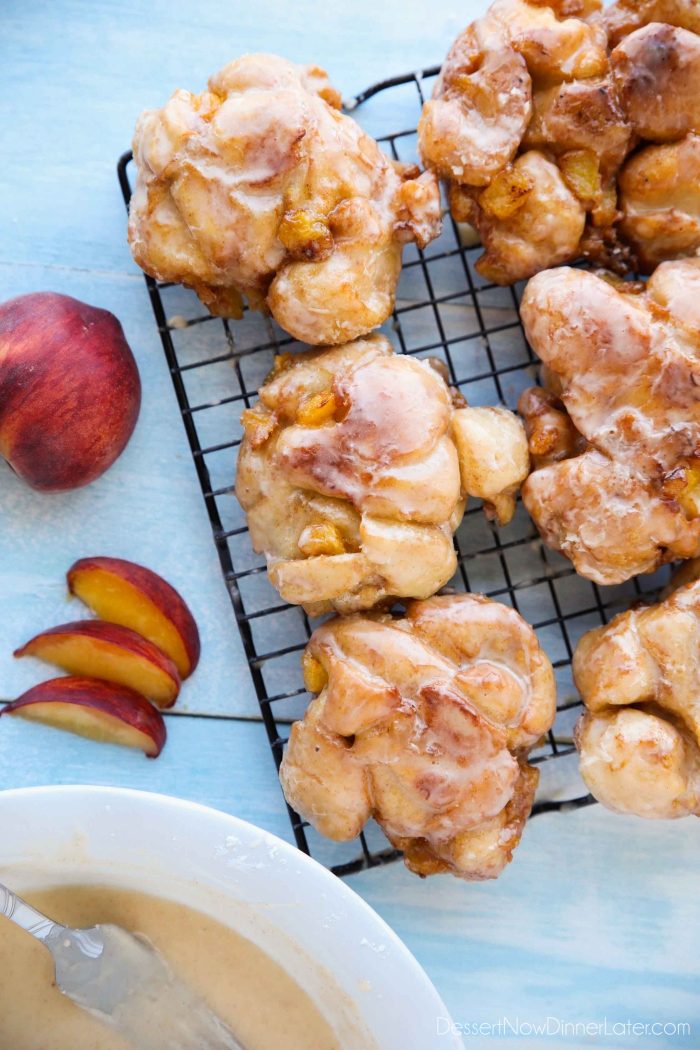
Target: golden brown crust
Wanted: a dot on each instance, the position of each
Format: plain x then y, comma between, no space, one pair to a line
660,201
596,88
550,433
639,740
626,369
522,89
482,853
624,16
545,230
558,41
424,723
473,125
259,188
610,524
676,287
354,469
656,75
580,114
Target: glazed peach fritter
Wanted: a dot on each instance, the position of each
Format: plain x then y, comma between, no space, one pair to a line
656,70
260,188
656,73
660,192
354,469
424,722
615,437
532,121
639,739
624,16
498,81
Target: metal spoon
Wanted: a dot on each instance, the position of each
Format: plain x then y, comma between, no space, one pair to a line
121,979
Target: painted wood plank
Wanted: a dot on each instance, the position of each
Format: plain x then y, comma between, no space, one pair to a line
223,763
595,918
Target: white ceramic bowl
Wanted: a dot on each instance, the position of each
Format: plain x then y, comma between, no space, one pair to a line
305,918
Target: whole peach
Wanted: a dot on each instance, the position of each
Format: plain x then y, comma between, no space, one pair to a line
70,391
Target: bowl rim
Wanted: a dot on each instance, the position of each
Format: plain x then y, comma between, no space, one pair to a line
332,884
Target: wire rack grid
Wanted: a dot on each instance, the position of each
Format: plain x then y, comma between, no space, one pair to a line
444,309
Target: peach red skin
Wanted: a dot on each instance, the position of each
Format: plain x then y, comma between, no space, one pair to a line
156,589
110,634
115,700
70,391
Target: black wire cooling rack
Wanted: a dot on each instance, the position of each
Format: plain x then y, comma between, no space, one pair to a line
444,309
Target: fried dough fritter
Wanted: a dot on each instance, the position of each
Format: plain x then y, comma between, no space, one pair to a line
639,739
557,126
259,188
473,126
624,16
559,41
580,115
656,74
656,71
676,287
354,469
547,224
586,91
660,201
482,104
626,498
424,722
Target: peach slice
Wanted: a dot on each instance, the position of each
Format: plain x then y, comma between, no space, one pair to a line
128,594
95,709
97,649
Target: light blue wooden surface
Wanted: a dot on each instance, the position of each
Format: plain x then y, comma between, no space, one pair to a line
598,916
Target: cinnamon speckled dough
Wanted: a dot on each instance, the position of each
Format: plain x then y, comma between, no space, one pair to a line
656,71
660,200
548,226
354,469
526,129
625,16
675,286
616,487
547,109
639,740
259,188
424,723
470,143
656,74
580,115
482,102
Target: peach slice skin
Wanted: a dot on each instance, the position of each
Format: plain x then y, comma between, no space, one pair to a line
130,595
95,709
97,649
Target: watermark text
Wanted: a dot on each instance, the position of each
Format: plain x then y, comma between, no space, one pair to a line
557,1026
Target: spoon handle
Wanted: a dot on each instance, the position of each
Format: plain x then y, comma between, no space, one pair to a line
25,916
